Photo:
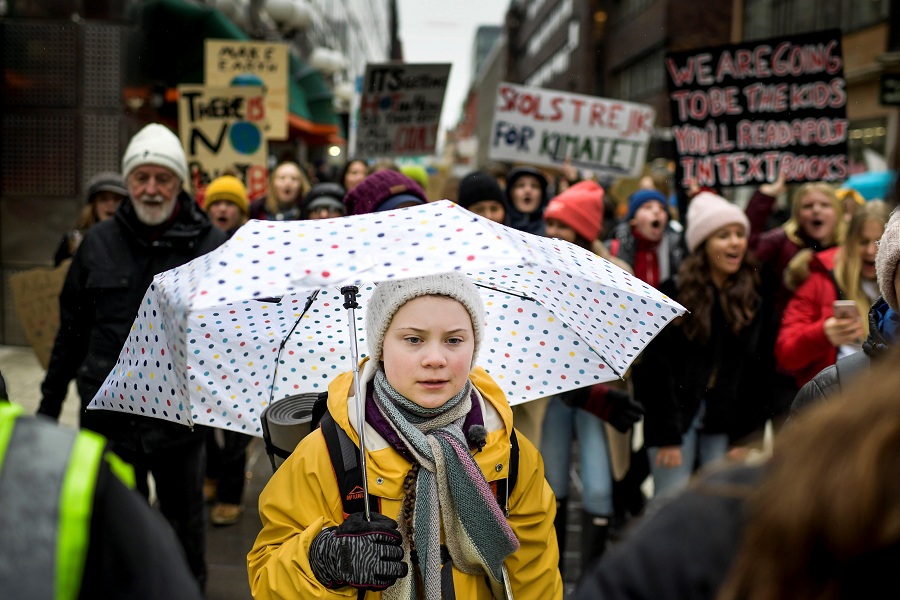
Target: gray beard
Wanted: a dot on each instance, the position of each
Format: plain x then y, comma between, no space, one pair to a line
151,216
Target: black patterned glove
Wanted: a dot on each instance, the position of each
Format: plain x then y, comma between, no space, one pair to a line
359,553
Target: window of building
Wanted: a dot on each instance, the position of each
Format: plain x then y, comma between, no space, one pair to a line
641,78
772,18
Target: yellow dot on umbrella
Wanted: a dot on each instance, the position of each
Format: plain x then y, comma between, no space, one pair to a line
238,326
622,306
233,396
535,365
216,356
200,317
314,368
151,326
512,333
238,271
250,364
199,388
152,375
571,354
129,374
549,319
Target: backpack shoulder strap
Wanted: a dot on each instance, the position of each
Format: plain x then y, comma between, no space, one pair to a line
505,491
344,456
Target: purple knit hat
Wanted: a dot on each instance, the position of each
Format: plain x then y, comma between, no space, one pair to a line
379,187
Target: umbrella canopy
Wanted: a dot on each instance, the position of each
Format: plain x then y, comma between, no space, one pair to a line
261,317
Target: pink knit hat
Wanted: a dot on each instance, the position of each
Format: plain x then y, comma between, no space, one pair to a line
580,207
708,212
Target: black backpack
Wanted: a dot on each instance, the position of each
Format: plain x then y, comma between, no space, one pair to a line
345,462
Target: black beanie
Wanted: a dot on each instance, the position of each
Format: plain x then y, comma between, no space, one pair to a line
478,186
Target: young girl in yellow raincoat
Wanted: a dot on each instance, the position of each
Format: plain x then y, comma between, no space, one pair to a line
437,434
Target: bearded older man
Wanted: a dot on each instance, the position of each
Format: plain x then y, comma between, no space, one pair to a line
157,228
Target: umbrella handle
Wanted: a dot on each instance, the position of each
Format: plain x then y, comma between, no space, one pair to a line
351,305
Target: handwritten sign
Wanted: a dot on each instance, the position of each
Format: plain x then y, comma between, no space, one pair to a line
222,128
400,109
264,64
744,113
545,127
36,296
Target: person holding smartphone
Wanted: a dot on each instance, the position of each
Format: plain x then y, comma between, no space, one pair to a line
824,318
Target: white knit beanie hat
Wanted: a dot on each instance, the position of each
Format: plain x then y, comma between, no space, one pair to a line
155,144
886,260
389,296
708,212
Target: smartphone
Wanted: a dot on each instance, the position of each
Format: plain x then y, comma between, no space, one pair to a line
845,309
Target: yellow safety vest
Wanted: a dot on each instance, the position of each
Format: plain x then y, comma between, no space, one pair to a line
48,476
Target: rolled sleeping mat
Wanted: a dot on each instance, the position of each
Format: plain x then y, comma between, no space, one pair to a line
285,423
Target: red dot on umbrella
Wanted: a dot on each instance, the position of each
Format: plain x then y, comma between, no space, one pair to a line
470,257
326,274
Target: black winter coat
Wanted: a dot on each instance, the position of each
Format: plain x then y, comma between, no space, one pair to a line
671,378
828,381
109,274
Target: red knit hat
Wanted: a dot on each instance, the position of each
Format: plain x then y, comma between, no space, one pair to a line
580,207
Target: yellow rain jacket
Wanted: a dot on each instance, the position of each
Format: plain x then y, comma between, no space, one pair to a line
302,498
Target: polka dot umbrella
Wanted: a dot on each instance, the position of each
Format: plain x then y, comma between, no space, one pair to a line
262,317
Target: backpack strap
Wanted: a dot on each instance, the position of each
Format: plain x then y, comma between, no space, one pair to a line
344,456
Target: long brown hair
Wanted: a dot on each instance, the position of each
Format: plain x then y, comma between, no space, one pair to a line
271,203
824,524
696,291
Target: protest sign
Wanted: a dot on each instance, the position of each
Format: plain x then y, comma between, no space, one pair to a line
400,109
743,113
221,128
264,64
545,127
36,297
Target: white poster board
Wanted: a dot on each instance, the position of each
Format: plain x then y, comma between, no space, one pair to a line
546,127
400,109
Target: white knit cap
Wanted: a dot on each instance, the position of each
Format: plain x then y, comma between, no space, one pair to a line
886,260
708,212
155,144
389,296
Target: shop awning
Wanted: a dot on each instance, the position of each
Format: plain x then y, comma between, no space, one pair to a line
169,52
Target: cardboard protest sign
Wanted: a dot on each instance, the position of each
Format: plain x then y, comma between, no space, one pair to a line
743,113
265,64
221,128
36,296
400,109
545,127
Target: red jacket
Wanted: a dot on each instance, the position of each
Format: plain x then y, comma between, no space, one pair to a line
802,349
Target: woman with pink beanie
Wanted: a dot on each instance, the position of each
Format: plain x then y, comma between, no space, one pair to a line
702,379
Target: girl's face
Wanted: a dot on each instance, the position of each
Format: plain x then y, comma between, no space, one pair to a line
286,183
356,172
650,220
105,204
489,209
725,250
526,194
816,216
559,230
872,231
428,350
225,215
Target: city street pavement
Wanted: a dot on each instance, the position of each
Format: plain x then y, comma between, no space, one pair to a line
227,547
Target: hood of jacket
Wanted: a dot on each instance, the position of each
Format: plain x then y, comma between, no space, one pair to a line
884,327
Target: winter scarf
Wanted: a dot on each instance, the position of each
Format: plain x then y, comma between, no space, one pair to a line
449,484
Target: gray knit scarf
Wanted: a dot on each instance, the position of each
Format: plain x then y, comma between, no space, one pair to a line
450,490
